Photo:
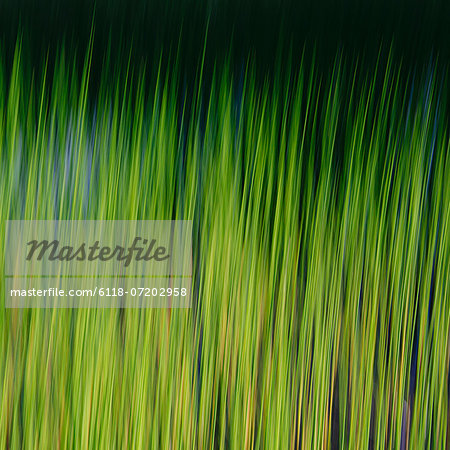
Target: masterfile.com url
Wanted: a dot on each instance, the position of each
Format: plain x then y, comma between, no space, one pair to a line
53,292
168,292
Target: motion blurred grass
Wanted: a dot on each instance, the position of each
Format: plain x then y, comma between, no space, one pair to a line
321,298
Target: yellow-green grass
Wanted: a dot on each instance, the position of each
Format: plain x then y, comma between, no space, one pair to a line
321,295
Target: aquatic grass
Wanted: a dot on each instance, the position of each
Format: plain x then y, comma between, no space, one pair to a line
321,296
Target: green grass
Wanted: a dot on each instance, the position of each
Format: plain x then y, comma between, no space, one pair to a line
321,238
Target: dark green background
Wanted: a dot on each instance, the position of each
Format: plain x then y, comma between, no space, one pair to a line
419,30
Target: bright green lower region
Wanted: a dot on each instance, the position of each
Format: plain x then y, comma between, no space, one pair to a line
321,300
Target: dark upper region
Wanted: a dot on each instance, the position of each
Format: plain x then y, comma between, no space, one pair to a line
238,28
